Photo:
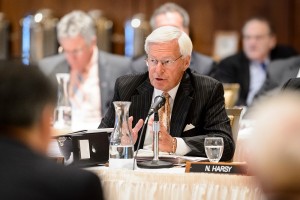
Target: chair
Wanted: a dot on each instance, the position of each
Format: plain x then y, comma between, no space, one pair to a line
234,115
231,93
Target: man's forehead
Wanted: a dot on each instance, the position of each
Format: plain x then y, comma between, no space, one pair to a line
256,26
169,19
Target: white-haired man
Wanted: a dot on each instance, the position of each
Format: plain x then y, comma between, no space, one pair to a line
196,102
93,72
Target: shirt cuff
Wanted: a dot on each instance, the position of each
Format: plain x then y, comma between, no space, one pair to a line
182,148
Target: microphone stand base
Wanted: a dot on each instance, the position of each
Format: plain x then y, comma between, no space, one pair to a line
154,164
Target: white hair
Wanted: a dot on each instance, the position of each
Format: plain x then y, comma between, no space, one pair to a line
76,23
168,33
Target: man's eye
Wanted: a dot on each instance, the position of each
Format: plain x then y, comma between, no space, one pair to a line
153,61
166,62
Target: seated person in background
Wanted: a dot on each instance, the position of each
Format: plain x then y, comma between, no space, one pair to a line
248,68
279,72
275,154
170,14
196,102
92,71
27,103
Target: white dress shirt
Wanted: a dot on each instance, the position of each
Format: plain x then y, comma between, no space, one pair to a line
182,147
86,111
257,78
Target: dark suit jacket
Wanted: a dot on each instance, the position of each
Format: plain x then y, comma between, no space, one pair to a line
27,175
200,64
235,69
292,84
279,72
199,101
110,68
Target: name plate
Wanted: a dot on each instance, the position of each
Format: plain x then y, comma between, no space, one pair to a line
220,168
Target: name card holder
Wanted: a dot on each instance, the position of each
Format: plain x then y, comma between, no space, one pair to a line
219,168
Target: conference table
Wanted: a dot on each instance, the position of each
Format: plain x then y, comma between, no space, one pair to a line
174,183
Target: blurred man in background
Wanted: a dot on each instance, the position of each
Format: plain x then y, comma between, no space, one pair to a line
27,103
248,68
92,72
170,14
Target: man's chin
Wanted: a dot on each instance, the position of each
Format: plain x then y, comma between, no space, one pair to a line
254,57
159,87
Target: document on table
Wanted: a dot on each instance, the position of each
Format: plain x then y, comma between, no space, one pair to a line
144,155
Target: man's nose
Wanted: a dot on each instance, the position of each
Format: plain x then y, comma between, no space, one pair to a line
159,67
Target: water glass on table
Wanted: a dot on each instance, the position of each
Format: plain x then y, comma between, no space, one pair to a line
214,148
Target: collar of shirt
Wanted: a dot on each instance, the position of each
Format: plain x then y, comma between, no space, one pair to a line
258,63
171,92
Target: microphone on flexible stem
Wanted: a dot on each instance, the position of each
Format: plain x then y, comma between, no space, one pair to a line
159,101
155,163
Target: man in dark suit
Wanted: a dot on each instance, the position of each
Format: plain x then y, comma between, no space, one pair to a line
248,68
92,71
196,101
27,103
170,14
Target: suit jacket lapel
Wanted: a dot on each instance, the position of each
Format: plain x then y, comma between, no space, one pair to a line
140,104
246,72
181,106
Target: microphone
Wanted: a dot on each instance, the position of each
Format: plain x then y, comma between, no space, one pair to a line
159,101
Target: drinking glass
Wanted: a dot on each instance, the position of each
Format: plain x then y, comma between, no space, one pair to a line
214,148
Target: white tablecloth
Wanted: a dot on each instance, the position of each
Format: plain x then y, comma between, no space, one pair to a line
175,184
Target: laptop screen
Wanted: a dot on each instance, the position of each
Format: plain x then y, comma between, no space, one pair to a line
85,148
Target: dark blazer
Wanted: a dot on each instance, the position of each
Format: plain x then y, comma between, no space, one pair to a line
235,69
200,64
27,175
199,101
110,68
279,72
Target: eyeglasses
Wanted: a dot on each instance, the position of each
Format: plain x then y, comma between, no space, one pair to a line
151,62
73,52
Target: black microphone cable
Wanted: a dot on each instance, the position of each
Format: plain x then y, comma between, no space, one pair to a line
139,143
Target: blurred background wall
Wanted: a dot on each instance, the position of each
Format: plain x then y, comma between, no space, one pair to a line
207,17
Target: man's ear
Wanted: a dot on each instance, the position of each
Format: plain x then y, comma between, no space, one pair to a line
273,41
186,62
94,41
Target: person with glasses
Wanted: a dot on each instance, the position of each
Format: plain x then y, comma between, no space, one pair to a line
92,72
171,14
196,102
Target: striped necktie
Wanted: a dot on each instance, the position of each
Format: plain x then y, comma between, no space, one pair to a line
76,90
263,66
164,113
